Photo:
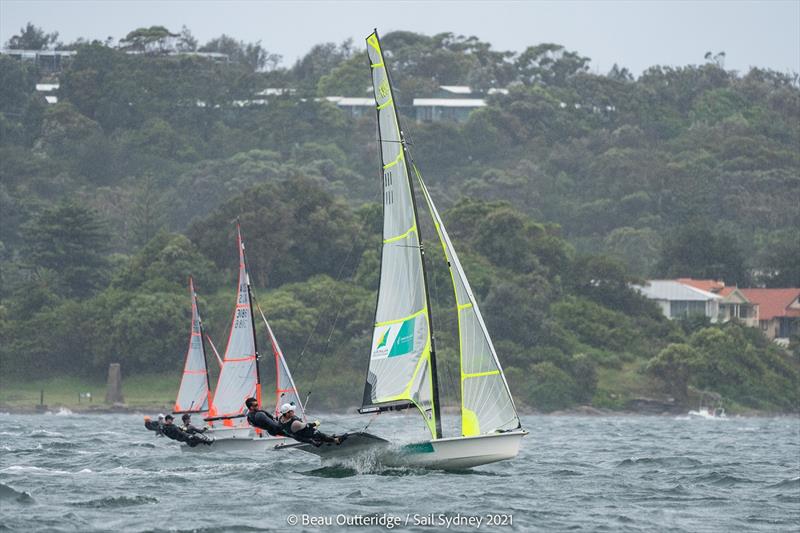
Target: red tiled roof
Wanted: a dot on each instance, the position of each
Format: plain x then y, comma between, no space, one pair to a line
726,291
773,302
708,285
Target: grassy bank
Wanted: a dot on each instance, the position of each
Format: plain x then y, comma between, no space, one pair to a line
146,391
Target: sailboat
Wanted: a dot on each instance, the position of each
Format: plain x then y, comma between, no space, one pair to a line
194,393
402,370
240,376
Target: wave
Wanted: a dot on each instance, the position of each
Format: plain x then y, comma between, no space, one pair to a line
792,483
116,501
720,479
33,469
675,461
7,494
43,433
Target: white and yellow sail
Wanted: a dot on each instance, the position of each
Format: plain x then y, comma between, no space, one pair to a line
400,362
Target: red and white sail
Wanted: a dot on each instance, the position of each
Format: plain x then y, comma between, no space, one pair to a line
239,378
194,395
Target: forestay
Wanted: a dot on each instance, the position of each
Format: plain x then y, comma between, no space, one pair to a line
400,363
193,394
486,402
238,378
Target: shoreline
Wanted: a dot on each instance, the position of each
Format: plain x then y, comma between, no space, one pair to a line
581,410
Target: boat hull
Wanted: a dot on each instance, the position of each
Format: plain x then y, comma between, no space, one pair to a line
237,439
458,452
455,453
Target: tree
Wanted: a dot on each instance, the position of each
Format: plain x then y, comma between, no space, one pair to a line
152,40
251,55
71,240
696,250
673,365
32,38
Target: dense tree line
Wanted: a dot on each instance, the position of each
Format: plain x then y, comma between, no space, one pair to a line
558,195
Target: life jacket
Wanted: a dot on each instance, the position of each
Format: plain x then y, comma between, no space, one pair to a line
174,432
265,421
306,433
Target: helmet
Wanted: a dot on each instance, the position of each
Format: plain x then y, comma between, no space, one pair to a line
186,417
160,417
285,408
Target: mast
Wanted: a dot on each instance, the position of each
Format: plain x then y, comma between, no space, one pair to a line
252,317
202,345
434,375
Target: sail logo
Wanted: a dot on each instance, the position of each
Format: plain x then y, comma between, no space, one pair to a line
394,341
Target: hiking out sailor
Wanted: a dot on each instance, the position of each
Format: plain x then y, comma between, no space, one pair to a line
175,433
293,426
261,419
190,428
155,425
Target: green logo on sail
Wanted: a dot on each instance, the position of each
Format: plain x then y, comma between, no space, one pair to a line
384,338
404,342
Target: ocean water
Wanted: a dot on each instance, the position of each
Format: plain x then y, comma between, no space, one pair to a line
63,472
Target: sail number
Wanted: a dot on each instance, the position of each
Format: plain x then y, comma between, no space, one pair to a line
388,193
242,319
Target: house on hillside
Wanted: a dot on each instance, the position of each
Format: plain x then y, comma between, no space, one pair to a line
733,303
678,300
451,103
778,312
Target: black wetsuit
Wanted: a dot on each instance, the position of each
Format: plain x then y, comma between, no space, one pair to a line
154,425
175,433
309,433
263,420
191,429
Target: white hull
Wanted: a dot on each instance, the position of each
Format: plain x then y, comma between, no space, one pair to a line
457,452
454,453
236,439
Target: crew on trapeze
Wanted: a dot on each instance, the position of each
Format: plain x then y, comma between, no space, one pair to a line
294,427
175,433
155,425
261,419
190,428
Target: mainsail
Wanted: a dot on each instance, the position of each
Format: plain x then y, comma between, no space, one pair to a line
486,403
194,394
402,371
239,377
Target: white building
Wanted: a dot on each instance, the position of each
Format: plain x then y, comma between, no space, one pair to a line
678,300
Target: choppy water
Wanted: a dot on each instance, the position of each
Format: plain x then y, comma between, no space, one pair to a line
107,473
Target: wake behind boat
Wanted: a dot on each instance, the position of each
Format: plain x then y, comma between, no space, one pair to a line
402,367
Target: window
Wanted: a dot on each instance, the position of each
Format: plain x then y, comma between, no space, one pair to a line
679,308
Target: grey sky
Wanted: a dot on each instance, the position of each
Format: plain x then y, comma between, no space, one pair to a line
634,34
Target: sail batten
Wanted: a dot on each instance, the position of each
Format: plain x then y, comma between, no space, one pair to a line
193,393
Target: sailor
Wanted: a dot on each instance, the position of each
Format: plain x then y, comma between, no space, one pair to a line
301,431
175,433
190,428
261,419
155,425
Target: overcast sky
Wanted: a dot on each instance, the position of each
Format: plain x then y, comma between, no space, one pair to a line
634,34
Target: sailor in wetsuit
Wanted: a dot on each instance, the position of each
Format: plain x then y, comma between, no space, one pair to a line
258,418
175,433
301,431
155,425
190,428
